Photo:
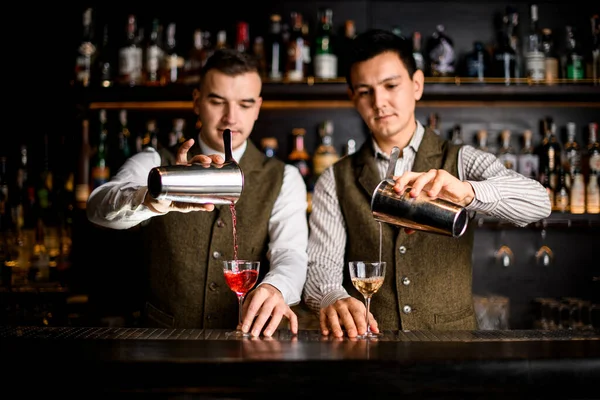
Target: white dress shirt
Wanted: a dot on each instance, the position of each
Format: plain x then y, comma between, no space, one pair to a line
118,205
499,192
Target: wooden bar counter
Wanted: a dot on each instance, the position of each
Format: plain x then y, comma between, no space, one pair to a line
185,363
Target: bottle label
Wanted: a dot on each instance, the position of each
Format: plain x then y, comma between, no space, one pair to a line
536,65
326,66
595,162
575,67
551,68
529,165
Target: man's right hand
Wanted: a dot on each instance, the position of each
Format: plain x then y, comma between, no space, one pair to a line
165,206
348,313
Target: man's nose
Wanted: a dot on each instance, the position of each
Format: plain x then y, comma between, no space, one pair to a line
230,114
379,99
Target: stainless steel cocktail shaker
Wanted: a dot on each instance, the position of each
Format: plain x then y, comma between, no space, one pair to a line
199,183
421,213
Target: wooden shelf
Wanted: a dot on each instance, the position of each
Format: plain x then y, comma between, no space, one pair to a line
311,93
556,220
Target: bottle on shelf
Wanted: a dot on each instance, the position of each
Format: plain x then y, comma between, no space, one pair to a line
325,155
593,149
131,55
534,56
123,148
417,52
276,50
154,55
506,153
242,37
440,54
482,138
82,187
477,62
456,136
299,157
86,51
577,192
269,146
573,59
504,59
344,45
572,153
326,60
551,63
196,58
561,193
433,122
592,194
100,169
105,61
593,54
350,147
550,152
296,65
528,161
173,61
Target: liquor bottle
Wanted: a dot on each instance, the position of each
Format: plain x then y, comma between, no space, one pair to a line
416,50
196,58
350,147
561,193
593,54
534,56
550,151
456,135
5,213
325,155
221,42
528,161
295,69
173,60
504,59
592,194
150,137
572,153
100,169
550,57
476,62
154,56
344,46
176,136
299,157
258,50
82,188
242,37
269,146
325,62
130,56
577,192
85,52
122,149
440,53
482,139
433,122
105,61
545,181
506,153
573,60
276,50
593,148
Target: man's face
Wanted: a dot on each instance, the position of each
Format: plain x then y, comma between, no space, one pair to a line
385,97
227,102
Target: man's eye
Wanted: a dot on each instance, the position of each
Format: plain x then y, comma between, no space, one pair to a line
246,105
363,92
391,85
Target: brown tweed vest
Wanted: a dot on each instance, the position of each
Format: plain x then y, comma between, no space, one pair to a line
428,276
185,251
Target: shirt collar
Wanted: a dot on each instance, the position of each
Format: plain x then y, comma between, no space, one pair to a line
237,153
414,143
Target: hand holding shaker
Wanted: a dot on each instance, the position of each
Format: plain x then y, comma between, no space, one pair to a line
421,213
199,183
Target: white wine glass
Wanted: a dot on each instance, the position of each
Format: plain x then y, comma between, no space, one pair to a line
241,276
367,277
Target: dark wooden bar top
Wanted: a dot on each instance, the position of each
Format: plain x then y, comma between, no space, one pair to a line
186,363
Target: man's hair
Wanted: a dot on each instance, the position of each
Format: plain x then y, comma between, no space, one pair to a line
230,62
374,42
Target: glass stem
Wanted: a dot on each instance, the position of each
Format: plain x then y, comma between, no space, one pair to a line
240,303
368,303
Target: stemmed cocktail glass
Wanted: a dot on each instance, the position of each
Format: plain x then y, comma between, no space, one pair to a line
367,277
241,276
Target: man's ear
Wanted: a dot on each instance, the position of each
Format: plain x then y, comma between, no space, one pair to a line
418,83
350,92
195,98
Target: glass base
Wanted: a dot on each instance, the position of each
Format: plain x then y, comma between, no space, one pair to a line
370,335
238,333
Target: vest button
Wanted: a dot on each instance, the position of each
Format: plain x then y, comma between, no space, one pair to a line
407,309
405,281
220,223
216,255
213,286
402,249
